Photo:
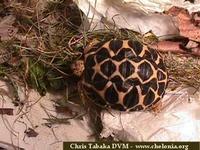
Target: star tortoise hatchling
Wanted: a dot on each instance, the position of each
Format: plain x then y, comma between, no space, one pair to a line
124,74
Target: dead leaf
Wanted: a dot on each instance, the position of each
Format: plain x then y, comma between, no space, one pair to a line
7,31
6,111
176,47
7,20
187,24
30,132
3,92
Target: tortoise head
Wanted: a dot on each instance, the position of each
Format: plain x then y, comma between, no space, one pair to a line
77,67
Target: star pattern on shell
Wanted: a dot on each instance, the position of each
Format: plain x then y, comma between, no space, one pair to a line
124,74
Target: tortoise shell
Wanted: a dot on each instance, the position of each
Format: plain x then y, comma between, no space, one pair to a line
124,75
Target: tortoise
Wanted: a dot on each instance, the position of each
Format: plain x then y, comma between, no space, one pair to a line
124,75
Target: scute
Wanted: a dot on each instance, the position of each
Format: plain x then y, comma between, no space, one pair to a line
154,84
161,65
132,82
108,68
161,88
119,83
88,75
118,107
124,53
147,55
132,98
102,54
115,45
146,86
99,82
111,95
161,75
90,61
145,71
149,98
154,55
136,46
126,69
